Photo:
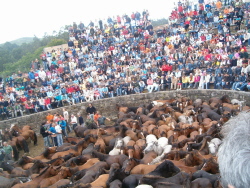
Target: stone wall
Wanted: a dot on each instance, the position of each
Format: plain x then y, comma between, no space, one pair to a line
108,106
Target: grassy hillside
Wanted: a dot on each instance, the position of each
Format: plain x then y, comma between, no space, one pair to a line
20,41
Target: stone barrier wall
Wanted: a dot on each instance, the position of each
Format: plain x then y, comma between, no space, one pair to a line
108,106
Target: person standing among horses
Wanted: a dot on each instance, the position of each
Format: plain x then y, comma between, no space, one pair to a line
8,151
80,120
73,121
63,125
52,131
59,134
66,118
91,110
101,120
90,123
45,134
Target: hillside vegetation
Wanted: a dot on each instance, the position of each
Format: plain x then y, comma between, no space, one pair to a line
20,41
14,57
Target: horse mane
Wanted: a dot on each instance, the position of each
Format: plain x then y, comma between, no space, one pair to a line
87,137
46,153
21,162
134,159
148,176
225,99
43,172
204,143
130,147
53,160
67,157
99,155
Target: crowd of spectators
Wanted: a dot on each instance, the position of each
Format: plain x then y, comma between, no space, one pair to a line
203,46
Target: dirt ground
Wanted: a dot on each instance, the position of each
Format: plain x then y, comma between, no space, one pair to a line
37,150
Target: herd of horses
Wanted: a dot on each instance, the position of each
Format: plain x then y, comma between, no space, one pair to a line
18,138
166,143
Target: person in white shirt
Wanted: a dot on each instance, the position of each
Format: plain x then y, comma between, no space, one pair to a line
206,81
42,75
66,118
59,135
73,121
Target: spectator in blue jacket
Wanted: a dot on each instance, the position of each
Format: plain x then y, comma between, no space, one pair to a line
218,80
31,76
63,125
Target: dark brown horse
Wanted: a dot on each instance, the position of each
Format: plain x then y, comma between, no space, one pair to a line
64,173
17,142
26,132
110,159
48,172
211,166
19,172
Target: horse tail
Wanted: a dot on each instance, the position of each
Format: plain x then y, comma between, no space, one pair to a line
15,152
35,138
25,146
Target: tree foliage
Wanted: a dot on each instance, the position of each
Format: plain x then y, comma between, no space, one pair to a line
14,57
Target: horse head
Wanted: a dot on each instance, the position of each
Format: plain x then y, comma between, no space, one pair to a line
150,147
129,164
212,148
119,143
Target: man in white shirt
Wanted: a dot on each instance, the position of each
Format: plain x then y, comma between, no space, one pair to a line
206,81
73,121
59,135
42,74
66,118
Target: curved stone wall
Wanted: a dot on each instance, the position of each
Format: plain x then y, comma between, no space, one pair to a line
108,106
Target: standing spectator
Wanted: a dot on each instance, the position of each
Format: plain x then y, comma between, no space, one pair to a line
8,151
49,117
59,134
90,123
80,119
63,125
45,134
52,131
101,120
91,110
73,121
66,118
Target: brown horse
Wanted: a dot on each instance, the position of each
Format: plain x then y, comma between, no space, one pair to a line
15,142
19,172
49,171
60,183
99,143
110,159
211,166
75,150
26,132
73,139
48,152
143,169
130,163
86,165
64,173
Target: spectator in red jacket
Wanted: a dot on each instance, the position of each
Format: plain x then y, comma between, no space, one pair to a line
47,102
166,67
